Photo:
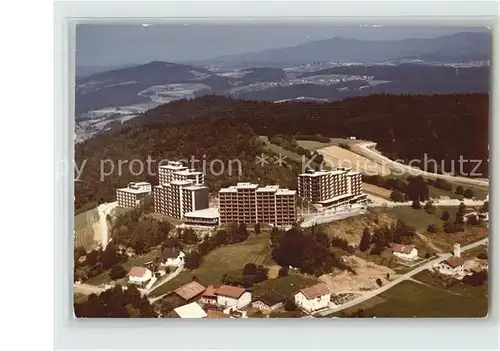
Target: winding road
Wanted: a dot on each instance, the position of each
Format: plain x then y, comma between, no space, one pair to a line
367,149
370,294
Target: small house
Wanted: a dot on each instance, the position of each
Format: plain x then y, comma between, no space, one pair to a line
404,252
139,275
191,291
313,298
451,266
269,302
232,296
172,256
208,297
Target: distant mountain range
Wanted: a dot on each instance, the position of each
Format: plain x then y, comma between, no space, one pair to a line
160,82
455,47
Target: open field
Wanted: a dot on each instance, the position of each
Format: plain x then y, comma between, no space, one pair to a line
84,228
138,260
290,155
314,145
412,299
337,156
223,260
377,191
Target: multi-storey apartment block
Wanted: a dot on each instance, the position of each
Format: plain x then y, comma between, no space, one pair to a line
249,203
181,190
331,188
132,195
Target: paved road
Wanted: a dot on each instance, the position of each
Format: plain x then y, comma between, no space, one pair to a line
367,149
370,294
166,278
381,202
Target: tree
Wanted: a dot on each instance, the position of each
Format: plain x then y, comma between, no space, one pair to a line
117,272
78,252
249,268
461,208
485,207
92,258
468,193
379,282
283,272
397,196
432,228
445,216
189,236
193,260
256,228
139,246
289,305
459,190
416,205
364,244
417,189
429,208
459,218
166,308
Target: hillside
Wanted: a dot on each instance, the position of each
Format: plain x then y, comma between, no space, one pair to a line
209,139
404,126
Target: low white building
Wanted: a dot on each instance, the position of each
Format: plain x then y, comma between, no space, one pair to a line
139,275
451,266
232,296
191,310
313,298
171,256
404,252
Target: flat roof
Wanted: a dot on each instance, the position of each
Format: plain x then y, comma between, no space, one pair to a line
173,166
286,192
133,191
191,310
210,213
196,187
181,182
321,173
188,172
268,188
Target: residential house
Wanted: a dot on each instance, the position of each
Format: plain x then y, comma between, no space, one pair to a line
172,256
232,296
191,291
404,252
269,302
192,310
208,297
451,266
313,298
139,275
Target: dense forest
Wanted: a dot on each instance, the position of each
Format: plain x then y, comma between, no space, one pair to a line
405,127
439,127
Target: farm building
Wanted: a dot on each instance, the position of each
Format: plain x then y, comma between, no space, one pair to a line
269,302
313,298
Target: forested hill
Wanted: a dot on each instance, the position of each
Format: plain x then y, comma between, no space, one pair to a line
404,126
224,139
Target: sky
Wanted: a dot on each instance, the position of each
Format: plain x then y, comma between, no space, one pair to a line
114,45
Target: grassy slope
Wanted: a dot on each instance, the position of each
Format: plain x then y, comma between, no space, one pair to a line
225,259
412,299
84,232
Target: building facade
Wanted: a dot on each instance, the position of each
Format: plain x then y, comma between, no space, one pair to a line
313,298
331,188
132,195
181,190
249,203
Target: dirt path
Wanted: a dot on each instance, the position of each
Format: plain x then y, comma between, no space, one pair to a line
102,225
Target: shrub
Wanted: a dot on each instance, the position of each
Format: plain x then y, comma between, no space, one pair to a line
445,216
432,228
397,196
117,272
416,205
468,193
283,272
379,282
